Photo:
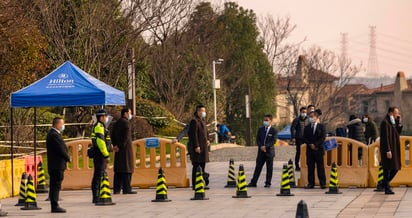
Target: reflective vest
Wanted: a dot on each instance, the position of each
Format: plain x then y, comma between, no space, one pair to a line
101,139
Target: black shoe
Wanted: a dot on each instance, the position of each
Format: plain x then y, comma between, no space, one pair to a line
130,192
207,188
58,210
309,187
94,201
251,185
323,186
297,169
389,192
267,186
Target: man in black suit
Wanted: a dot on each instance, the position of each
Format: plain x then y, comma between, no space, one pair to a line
314,136
57,157
265,139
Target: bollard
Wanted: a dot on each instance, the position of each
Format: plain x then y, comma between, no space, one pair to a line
284,184
334,181
31,199
161,188
379,186
241,189
302,210
231,180
199,186
291,173
41,179
105,197
22,193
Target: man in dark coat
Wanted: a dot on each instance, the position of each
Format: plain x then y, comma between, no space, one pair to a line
123,159
391,128
371,130
198,142
265,139
57,157
355,131
314,136
296,131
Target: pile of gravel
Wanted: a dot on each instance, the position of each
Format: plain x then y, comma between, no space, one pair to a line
248,153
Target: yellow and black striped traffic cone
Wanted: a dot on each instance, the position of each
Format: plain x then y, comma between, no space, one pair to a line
334,181
105,197
31,199
199,186
231,179
379,186
41,179
22,193
284,184
291,173
241,189
161,188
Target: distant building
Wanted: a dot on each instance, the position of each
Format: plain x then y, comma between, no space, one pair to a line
376,101
306,86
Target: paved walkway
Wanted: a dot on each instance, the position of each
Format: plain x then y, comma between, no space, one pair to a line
263,203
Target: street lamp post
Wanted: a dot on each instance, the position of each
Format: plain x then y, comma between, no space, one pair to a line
216,85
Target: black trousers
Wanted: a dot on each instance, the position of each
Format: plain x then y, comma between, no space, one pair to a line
299,142
388,175
261,159
316,157
99,170
122,181
194,169
56,178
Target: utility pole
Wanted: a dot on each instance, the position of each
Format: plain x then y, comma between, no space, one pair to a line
373,69
131,78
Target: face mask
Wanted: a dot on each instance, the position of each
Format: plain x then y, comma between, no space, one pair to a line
129,117
62,129
365,120
266,123
311,120
106,120
392,119
303,115
203,115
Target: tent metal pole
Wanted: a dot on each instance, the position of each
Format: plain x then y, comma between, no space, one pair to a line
11,151
35,145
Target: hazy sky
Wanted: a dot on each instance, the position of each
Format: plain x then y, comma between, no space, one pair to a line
323,21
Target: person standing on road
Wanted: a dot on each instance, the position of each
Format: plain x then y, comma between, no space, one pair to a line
123,156
391,128
265,139
296,130
57,157
101,148
199,143
371,130
314,136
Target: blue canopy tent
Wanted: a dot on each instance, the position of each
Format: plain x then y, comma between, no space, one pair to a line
66,86
285,133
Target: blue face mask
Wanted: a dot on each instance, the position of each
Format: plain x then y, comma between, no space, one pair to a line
311,120
266,123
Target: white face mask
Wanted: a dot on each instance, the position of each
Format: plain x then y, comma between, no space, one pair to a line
62,128
129,117
311,120
106,120
392,119
266,123
303,115
365,120
203,115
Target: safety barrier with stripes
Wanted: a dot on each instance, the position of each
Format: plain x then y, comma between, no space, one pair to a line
150,154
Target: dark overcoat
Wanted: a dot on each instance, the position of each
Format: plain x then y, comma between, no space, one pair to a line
57,152
198,137
121,137
390,141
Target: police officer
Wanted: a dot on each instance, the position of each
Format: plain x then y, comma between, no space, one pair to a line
101,148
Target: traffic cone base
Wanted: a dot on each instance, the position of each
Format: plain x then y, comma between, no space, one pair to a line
104,202
230,184
241,195
285,193
199,196
30,206
333,190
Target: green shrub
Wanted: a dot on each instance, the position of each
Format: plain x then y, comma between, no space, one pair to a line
171,130
154,113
